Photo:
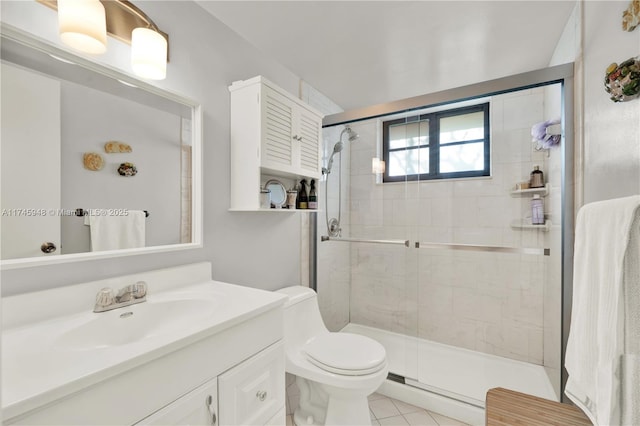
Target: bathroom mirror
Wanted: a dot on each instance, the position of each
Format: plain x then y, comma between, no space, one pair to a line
277,191
69,125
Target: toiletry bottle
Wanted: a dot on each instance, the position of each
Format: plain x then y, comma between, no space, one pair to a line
265,198
537,210
537,178
303,200
313,196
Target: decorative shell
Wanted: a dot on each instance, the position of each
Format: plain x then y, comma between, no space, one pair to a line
623,81
127,169
631,16
116,147
92,161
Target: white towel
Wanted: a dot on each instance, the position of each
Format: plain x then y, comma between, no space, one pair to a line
604,339
111,232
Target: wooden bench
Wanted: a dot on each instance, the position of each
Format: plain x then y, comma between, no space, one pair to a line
505,407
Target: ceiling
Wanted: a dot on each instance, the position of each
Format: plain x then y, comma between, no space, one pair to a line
363,53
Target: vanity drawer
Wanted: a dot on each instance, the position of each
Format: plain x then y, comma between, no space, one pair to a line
252,392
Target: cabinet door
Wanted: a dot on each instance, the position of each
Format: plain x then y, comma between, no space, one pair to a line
310,131
198,407
277,130
252,392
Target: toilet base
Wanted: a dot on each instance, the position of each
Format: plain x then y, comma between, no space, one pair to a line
329,405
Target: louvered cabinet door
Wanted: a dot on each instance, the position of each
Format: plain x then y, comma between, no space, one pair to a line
277,131
310,132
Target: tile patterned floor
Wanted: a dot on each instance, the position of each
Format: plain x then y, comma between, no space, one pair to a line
384,411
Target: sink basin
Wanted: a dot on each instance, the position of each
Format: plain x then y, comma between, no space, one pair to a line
135,323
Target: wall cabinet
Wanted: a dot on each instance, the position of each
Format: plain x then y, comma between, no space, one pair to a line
272,134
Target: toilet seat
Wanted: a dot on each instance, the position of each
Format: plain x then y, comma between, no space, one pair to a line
345,354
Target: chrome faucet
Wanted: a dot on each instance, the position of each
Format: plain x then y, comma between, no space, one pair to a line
127,295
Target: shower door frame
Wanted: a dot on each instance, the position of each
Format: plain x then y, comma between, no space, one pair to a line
560,74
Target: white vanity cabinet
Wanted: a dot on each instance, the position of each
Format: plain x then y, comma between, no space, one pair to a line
197,352
251,393
272,134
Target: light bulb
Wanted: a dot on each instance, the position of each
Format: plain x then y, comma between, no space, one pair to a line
148,54
83,25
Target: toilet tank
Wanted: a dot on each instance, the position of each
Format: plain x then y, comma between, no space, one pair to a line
302,319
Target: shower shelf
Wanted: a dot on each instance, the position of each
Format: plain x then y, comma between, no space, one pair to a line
526,224
531,191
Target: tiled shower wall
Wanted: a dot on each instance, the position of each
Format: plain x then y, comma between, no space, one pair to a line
493,303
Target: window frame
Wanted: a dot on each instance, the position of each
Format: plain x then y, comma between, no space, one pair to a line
434,145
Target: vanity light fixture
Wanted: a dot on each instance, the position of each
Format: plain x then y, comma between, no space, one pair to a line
84,24
148,54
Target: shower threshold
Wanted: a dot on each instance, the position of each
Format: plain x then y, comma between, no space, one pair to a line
456,373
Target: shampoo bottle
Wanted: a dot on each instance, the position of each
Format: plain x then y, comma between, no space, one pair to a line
537,210
303,200
537,178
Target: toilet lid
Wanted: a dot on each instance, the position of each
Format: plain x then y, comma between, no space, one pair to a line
346,354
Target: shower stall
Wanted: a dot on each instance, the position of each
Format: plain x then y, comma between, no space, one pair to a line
428,244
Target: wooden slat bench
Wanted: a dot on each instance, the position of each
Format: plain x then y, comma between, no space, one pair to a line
505,407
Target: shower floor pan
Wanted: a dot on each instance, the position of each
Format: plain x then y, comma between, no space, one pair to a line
456,373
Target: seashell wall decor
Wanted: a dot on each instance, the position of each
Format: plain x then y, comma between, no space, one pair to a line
92,161
112,147
127,169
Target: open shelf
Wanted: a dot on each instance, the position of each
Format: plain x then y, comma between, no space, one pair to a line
526,224
531,191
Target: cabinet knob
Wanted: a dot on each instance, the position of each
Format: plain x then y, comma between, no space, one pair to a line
48,247
262,395
212,410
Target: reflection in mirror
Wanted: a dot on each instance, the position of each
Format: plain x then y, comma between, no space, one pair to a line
90,161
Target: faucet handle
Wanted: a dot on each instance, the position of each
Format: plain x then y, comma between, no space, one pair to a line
139,289
104,298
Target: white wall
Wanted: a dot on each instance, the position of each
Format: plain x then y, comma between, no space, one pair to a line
611,130
246,248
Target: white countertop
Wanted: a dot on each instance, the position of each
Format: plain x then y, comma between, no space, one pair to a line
37,368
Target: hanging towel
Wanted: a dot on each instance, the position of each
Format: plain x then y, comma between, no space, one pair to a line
603,350
117,232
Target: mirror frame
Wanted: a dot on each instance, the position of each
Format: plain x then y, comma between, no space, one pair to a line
33,42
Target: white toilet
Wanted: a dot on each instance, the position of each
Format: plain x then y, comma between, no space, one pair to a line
335,371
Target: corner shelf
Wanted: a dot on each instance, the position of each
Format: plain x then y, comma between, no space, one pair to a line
526,224
544,191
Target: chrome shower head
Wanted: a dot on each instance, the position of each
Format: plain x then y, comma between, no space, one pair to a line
339,146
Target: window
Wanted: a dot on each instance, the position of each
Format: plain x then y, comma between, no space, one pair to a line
440,145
